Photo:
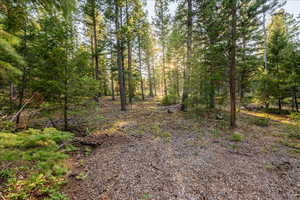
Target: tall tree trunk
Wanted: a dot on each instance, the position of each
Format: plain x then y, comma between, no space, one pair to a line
177,81
97,71
164,72
112,86
163,52
129,52
232,62
93,53
154,81
296,101
212,92
279,105
122,53
150,78
140,68
265,42
112,74
21,94
119,58
23,83
242,86
66,125
11,95
243,72
186,74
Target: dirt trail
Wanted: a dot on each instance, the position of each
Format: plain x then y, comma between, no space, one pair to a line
152,154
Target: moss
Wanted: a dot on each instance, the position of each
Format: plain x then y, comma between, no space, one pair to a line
34,154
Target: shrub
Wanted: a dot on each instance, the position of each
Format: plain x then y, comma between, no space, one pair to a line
263,122
7,126
295,116
169,100
294,132
236,137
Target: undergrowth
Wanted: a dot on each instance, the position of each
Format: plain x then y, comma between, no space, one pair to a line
32,164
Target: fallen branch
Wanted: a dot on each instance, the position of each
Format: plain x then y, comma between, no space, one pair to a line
2,197
239,153
22,108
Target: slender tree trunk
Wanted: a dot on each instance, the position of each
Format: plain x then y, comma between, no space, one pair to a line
212,92
232,71
119,58
163,52
150,78
243,72
265,42
129,52
242,87
93,53
122,53
97,71
112,87
11,95
186,74
177,81
164,72
140,67
23,85
112,74
296,102
66,125
154,81
279,105
21,95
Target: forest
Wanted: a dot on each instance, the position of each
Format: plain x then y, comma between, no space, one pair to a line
149,99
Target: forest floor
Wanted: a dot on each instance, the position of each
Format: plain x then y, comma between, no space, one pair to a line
150,153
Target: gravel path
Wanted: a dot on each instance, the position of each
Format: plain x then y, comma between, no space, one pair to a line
139,161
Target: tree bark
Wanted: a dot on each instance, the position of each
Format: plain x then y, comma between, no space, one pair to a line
186,74
296,102
150,78
232,70
122,53
154,81
279,105
140,67
119,58
21,95
97,72
112,75
129,49
93,53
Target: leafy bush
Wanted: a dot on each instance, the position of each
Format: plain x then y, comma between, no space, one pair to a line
7,126
169,100
35,154
236,137
294,132
295,116
263,122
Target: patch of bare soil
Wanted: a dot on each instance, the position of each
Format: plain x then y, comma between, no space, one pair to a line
150,153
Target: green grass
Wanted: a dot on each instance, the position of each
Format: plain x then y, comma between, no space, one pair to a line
295,116
215,132
294,132
236,137
262,122
159,132
169,100
37,164
290,144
